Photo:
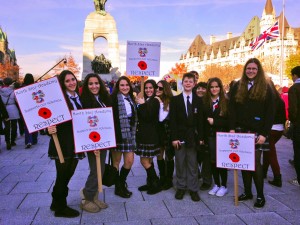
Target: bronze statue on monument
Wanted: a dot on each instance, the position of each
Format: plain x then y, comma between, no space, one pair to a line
100,6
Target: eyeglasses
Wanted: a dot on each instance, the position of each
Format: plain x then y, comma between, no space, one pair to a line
160,88
251,68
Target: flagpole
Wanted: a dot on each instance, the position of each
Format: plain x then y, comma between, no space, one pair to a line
282,40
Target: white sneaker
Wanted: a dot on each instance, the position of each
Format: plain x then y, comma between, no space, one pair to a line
222,191
214,190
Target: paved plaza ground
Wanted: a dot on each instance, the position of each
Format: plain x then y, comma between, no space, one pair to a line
27,177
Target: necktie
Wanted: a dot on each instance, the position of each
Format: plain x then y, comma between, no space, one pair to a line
74,99
189,106
250,85
132,118
215,104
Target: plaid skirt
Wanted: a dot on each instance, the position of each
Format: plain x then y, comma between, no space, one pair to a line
147,150
124,147
262,147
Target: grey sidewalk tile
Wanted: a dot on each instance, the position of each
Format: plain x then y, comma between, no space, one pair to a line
47,175
292,216
290,200
141,210
45,216
225,205
114,213
111,197
163,195
16,168
7,187
263,218
32,187
175,221
36,200
186,207
11,201
30,176
136,181
139,171
17,217
43,168
272,205
136,222
219,219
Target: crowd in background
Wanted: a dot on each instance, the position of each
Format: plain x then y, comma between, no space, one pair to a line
178,129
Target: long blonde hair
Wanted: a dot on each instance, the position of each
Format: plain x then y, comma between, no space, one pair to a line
259,89
167,94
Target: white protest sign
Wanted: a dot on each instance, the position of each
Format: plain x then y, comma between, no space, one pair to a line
42,104
236,151
93,129
143,58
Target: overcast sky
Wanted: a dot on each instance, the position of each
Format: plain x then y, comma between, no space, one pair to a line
44,31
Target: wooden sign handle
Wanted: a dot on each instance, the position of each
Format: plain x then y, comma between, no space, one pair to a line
236,188
142,87
57,145
99,176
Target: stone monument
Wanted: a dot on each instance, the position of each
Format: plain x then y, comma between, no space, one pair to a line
99,24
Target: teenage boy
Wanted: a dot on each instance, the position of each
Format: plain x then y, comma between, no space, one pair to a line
186,128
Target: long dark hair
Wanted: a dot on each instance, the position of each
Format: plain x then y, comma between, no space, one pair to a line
207,98
154,85
260,87
88,97
166,95
116,89
61,79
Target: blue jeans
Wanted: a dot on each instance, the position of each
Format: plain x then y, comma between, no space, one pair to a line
30,138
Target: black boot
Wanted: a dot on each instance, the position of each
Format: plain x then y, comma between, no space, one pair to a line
145,187
121,186
162,171
169,177
154,186
276,181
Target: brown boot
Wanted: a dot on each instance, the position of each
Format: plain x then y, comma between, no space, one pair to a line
100,204
89,206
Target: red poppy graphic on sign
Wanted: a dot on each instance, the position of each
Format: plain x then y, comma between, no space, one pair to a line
142,65
95,136
45,113
234,157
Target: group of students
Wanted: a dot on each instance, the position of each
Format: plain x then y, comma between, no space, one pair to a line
157,124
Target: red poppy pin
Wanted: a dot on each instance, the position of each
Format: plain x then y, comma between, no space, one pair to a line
234,157
45,113
95,136
216,106
142,65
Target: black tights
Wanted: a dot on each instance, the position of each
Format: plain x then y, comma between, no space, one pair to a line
217,173
64,173
257,176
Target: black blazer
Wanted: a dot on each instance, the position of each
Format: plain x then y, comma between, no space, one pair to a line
294,104
180,127
147,129
66,139
220,121
253,115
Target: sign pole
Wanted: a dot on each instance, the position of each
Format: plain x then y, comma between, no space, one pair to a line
99,176
58,149
236,188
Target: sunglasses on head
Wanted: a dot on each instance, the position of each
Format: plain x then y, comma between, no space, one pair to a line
160,88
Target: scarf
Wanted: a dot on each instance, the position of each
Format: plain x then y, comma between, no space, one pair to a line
128,132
